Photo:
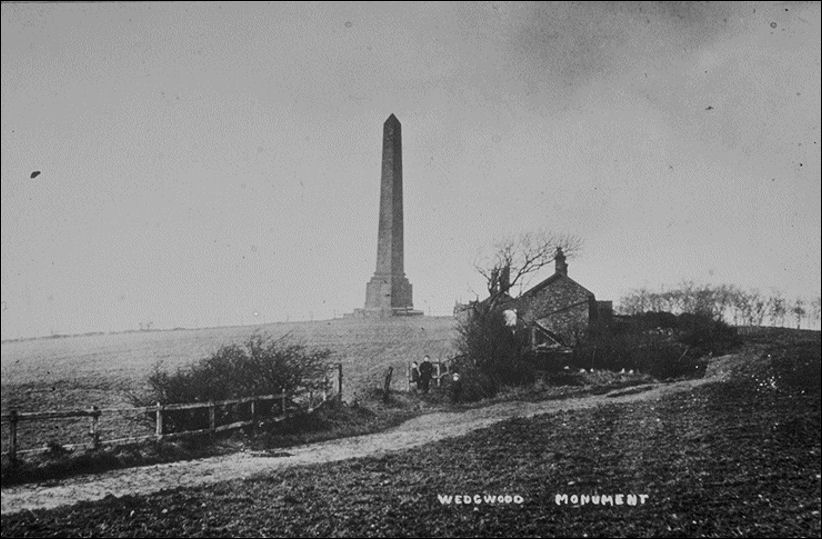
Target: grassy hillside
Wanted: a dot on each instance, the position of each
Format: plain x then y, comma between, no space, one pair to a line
81,371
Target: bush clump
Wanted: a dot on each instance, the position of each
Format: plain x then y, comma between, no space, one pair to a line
707,335
261,365
491,355
660,344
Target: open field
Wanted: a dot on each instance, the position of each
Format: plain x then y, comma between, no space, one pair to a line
738,457
81,371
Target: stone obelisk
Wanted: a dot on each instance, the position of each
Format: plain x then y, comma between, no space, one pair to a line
389,292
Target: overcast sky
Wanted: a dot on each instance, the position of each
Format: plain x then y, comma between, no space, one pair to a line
219,164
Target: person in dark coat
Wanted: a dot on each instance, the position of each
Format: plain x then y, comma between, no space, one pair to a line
415,375
426,371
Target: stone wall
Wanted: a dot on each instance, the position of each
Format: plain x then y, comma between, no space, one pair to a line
570,324
561,305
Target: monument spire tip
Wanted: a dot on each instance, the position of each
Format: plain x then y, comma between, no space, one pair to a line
392,119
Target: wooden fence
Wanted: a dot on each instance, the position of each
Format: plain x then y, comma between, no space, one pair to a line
312,399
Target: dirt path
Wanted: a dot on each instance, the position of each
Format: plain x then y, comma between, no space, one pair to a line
415,432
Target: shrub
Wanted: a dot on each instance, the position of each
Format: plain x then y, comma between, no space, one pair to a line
707,335
563,378
260,366
660,344
674,362
475,384
491,355
484,338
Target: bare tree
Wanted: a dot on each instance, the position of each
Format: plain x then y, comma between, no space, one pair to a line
705,301
744,307
672,300
799,311
816,309
636,302
738,300
687,296
655,301
723,298
514,260
759,306
777,309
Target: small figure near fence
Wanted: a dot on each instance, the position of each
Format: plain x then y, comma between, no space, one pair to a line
414,376
426,370
456,387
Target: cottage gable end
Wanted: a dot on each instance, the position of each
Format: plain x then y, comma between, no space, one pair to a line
553,295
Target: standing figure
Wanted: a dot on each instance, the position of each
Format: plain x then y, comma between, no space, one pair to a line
415,375
456,387
426,370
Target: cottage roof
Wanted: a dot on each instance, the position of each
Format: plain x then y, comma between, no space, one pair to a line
556,277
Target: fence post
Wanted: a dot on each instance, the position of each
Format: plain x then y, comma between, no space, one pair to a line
310,397
386,395
95,431
158,422
339,381
282,402
13,426
212,417
438,374
325,387
254,413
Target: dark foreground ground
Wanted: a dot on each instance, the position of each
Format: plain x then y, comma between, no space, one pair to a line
735,458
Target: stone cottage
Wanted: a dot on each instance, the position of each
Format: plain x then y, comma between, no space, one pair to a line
555,313
559,308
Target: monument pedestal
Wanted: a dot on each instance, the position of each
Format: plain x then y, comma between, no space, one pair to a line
383,313
388,295
388,292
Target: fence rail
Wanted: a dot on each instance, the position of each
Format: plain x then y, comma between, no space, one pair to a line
313,400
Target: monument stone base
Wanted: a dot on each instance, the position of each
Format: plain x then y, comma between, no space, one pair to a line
387,295
383,313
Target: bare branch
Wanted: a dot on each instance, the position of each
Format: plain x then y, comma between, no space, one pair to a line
512,260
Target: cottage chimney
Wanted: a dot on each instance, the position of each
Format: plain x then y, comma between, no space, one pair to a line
561,265
505,279
494,281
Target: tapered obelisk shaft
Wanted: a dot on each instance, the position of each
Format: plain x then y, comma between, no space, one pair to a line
389,290
389,239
